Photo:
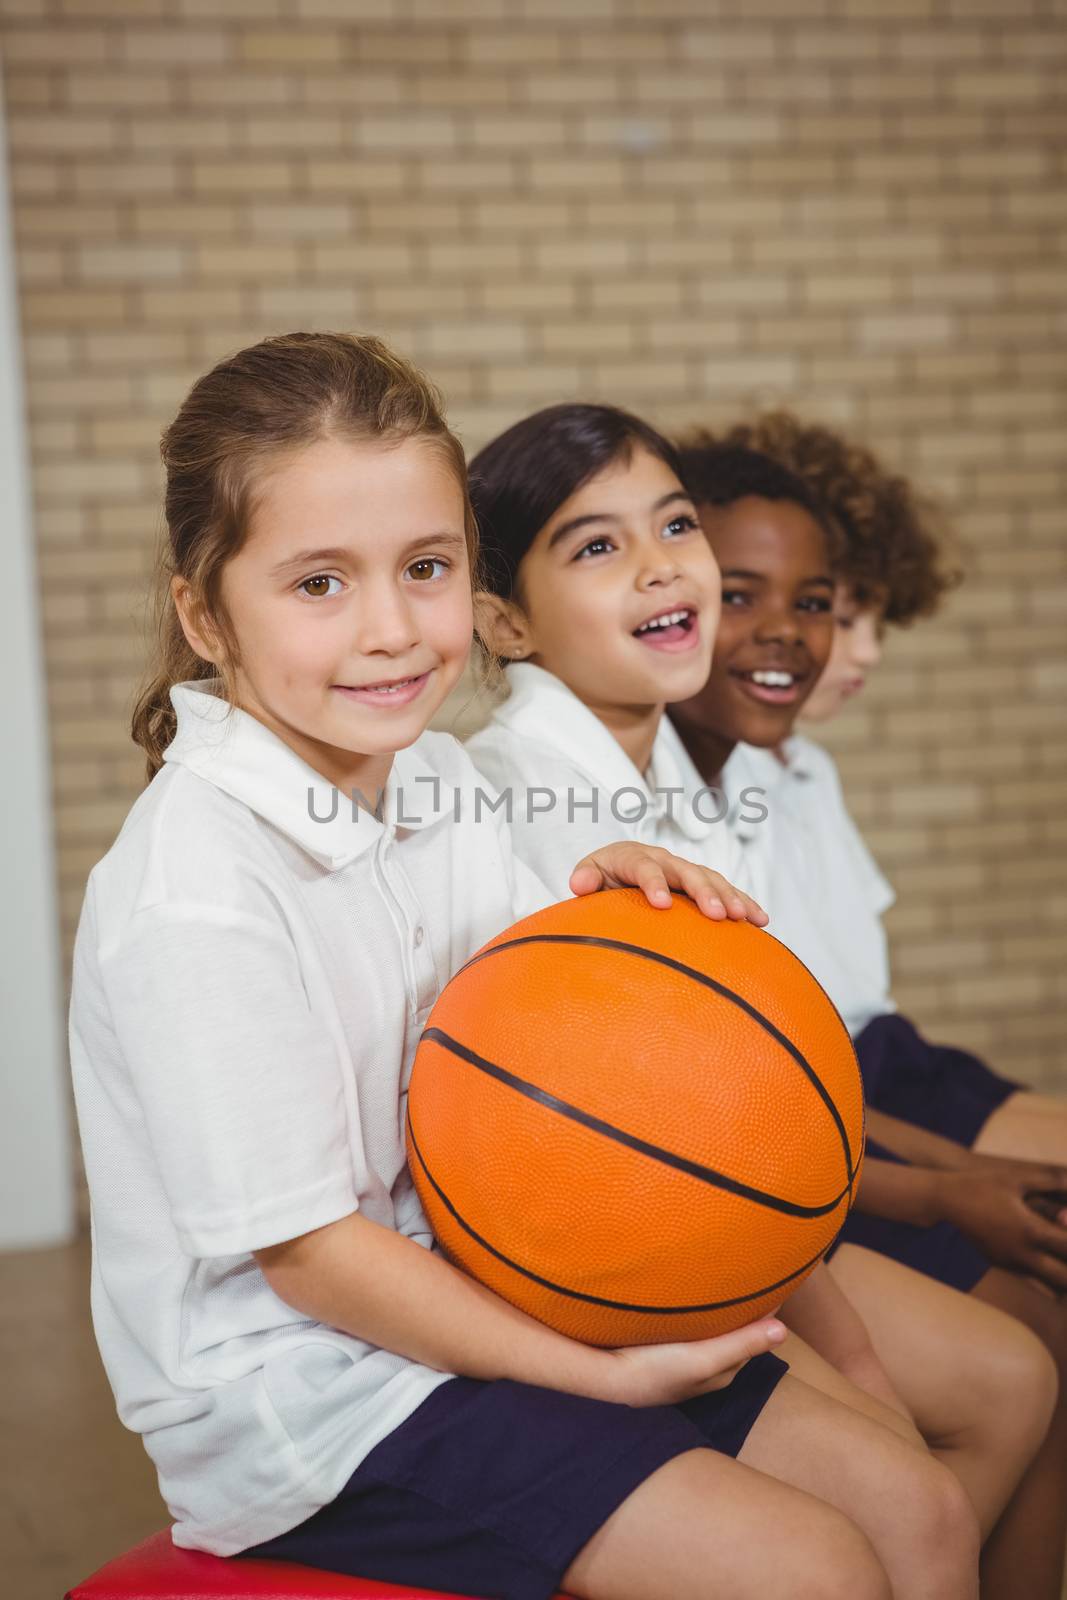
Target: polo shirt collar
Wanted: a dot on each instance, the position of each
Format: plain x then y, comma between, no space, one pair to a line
542,709
239,755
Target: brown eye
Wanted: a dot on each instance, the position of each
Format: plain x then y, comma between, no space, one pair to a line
318,587
422,571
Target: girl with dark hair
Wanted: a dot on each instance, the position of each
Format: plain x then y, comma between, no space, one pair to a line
593,555
574,613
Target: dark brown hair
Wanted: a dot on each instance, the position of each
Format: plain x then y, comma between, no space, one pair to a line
891,543
277,396
525,474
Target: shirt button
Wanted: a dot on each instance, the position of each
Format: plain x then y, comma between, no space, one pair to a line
418,935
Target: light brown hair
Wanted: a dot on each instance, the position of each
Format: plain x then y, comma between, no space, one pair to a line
277,396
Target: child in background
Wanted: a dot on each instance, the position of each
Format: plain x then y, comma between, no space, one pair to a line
891,571
254,965
824,894
590,551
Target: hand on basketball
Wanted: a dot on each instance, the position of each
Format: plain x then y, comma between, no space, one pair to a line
991,1201
667,1374
656,872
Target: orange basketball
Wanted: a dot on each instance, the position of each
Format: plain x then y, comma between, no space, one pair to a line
636,1125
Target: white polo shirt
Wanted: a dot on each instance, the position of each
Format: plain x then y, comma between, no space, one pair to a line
573,788
250,984
825,894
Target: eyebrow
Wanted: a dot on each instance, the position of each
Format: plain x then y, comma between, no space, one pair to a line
611,516
445,538
761,577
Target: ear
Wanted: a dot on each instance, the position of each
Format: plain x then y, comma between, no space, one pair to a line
503,625
197,633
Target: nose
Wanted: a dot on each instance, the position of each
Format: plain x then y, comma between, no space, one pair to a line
866,644
657,567
778,622
386,623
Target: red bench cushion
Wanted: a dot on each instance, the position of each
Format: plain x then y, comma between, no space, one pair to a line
159,1570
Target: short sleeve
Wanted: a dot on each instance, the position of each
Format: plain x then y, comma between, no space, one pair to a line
238,1080
555,815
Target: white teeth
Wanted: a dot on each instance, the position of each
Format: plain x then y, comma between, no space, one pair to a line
668,621
773,680
389,688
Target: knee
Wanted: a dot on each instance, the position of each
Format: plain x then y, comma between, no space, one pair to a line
941,1521
839,1563
1027,1381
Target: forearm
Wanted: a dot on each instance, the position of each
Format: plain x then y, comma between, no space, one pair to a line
381,1287
903,1194
916,1144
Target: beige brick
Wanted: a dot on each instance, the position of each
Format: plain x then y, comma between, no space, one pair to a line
275,260
353,175
72,307
363,258
300,219
752,290
475,258
531,386
108,90
417,131
182,221
513,47
192,47
32,91
525,295
291,47
182,305
849,289
302,132
747,375
131,263
311,305
904,329
596,176
413,300
582,338
155,177
467,173
43,132
479,339
179,132
37,222
29,47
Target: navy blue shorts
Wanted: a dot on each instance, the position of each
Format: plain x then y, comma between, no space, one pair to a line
940,1252
934,1086
493,1488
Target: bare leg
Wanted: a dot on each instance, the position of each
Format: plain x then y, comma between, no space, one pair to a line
1027,1127
855,1510
979,1385
1025,1554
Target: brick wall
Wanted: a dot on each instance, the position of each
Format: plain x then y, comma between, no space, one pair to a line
685,206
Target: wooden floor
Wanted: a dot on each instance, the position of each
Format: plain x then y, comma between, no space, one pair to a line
75,1487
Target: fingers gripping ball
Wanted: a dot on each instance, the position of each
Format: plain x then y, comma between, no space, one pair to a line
636,1125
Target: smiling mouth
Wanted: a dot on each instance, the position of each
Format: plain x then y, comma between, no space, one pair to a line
668,625
398,688
775,686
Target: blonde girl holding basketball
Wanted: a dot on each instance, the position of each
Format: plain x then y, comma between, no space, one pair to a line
603,603
256,957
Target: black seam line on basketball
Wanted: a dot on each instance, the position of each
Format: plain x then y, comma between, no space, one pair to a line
596,1299
709,983
667,1158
